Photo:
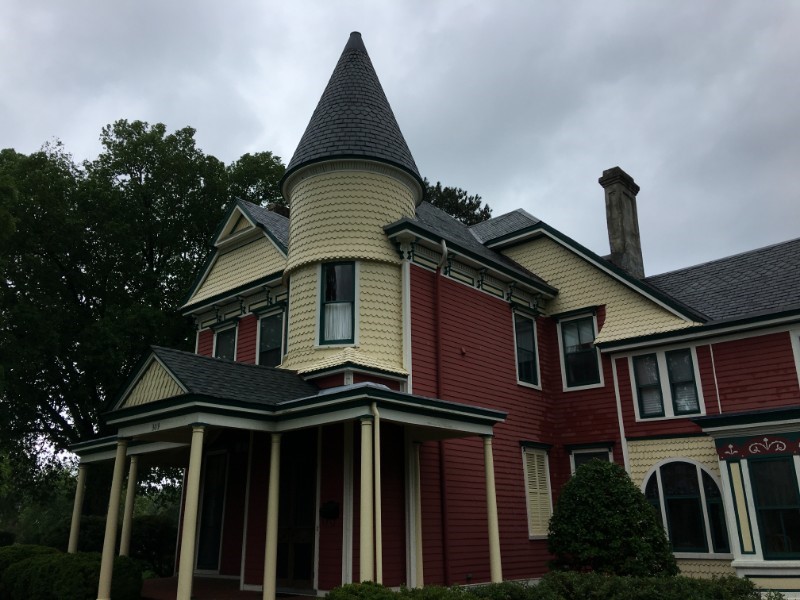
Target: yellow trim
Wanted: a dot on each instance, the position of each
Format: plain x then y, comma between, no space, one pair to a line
154,384
581,284
737,485
238,267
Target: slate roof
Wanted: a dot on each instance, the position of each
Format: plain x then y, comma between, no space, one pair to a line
755,282
276,224
353,118
491,229
228,380
441,225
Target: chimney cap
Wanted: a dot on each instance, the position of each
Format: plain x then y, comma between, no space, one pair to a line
617,175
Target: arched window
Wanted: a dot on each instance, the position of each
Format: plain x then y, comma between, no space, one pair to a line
690,504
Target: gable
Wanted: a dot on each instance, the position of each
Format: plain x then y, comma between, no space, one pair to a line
154,384
238,266
581,284
241,225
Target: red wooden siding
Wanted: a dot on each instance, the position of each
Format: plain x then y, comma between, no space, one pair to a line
205,342
331,490
328,381
246,337
392,384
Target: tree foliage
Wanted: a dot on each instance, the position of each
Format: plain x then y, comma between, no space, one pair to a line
603,523
255,178
98,258
458,203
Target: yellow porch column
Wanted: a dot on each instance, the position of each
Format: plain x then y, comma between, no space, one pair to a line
366,538
271,549
420,579
127,518
495,563
110,539
378,503
189,534
77,508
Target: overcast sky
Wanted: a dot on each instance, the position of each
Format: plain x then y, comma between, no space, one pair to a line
524,103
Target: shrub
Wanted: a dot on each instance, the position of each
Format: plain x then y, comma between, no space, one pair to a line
69,577
7,538
603,523
153,540
362,591
16,553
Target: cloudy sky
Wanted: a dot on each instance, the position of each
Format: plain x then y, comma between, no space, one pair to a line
524,103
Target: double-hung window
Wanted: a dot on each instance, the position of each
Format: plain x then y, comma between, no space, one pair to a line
337,310
225,343
525,339
270,340
690,504
665,384
580,358
777,504
537,490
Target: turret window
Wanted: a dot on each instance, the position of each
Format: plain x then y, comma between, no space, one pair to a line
337,314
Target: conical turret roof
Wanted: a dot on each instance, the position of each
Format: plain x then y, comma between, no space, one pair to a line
353,118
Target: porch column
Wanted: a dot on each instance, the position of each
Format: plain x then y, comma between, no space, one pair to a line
110,539
189,534
495,563
378,503
366,540
127,518
420,580
271,549
77,509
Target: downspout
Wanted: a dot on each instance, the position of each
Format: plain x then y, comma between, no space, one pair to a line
376,453
439,391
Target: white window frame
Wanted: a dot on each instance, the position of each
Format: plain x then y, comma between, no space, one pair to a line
266,315
594,450
532,319
533,450
561,357
356,306
666,391
235,327
700,469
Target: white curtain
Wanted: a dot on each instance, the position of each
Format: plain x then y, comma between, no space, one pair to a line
338,321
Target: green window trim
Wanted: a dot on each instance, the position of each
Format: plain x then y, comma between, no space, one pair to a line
581,361
337,303
525,349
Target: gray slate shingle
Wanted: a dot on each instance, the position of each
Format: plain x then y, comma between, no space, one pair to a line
353,118
228,380
276,224
487,231
759,281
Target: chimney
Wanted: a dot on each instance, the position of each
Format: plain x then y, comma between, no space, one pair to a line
622,220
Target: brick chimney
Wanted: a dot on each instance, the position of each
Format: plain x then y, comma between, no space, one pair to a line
623,222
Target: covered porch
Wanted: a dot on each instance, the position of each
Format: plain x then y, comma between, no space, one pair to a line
298,446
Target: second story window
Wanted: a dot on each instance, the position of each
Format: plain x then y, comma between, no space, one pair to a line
270,340
580,359
525,337
337,316
666,375
225,343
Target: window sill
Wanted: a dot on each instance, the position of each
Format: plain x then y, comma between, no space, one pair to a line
346,345
580,388
669,417
533,386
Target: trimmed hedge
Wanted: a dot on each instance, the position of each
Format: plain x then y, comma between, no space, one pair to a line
570,586
16,553
59,576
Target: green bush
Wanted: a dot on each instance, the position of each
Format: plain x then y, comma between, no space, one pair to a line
434,592
153,540
362,591
603,523
69,577
16,553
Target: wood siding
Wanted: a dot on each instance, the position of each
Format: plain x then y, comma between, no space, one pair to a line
246,339
205,342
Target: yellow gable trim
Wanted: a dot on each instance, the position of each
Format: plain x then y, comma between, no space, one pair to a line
154,384
581,284
238,267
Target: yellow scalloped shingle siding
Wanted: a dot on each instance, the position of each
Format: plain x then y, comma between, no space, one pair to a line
581,284
155,384
705,569
241,225
380,335
341,215
240,266
643,455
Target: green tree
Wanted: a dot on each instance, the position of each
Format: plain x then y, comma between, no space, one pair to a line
457,203
255,178
603,523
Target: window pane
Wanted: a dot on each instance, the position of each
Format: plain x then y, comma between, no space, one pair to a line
339,283
338,302
269,349
581,458
777,503
651,402
679,365
570,333
580,356
526,351
716,515
582,368
680,478
686,528
684,396
646,368
586,330
226,344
